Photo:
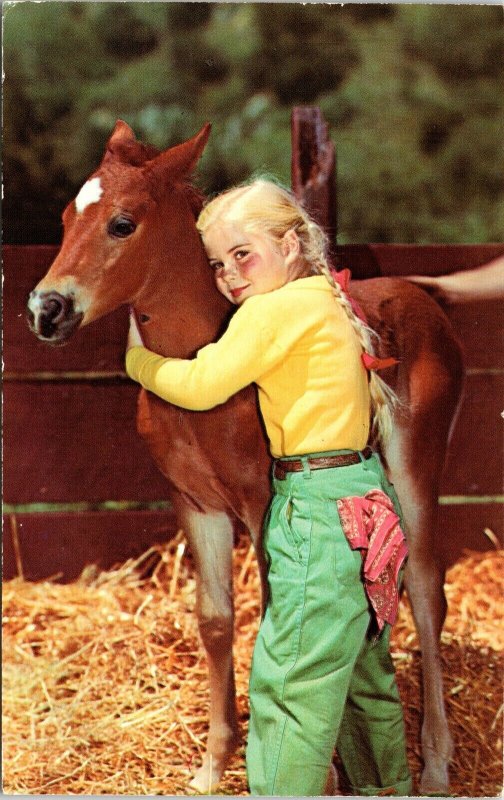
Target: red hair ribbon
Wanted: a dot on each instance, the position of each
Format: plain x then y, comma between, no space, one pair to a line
343,277
373,362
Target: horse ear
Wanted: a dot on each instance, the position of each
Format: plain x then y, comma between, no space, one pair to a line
122,133
181,160
124,147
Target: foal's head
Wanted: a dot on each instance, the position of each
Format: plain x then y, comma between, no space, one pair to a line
135,211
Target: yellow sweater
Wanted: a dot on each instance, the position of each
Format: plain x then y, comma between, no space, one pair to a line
297,344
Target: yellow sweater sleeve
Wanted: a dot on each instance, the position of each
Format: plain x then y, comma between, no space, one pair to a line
245,351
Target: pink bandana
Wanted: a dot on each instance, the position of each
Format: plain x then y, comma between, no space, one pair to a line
370,362
371,525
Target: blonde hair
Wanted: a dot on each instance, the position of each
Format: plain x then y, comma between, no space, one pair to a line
273,210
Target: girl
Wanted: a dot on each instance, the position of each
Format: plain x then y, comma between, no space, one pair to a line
321,671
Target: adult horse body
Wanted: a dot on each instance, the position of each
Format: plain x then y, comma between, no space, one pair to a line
130,238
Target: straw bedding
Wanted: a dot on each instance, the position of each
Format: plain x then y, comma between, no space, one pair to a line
105,686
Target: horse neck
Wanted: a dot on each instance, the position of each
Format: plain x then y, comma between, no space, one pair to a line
185,309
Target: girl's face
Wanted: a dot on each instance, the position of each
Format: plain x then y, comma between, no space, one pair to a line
246,263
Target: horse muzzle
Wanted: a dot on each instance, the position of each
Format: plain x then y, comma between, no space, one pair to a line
52,316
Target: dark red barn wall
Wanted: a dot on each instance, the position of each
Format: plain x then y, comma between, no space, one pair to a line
69,426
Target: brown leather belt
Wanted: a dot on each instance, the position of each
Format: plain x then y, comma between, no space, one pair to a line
281,467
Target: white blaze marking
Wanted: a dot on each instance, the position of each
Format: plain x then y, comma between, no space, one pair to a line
90,193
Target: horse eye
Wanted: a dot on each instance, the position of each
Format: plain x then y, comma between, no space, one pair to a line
121,227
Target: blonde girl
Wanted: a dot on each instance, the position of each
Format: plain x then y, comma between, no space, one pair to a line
321,672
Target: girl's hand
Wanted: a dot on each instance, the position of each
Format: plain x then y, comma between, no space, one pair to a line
134,336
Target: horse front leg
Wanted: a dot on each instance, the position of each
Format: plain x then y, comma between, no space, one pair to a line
210,538
417,487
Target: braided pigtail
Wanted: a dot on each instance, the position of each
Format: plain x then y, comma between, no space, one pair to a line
383,398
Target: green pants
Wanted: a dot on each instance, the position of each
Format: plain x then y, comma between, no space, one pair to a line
317,680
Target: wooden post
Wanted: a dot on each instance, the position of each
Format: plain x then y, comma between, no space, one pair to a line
313,174
16,546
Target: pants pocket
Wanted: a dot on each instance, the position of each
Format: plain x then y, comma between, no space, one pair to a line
348,566
296,523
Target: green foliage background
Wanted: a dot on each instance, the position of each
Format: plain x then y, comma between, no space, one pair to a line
413,95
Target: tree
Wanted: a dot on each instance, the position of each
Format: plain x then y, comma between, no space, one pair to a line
413,94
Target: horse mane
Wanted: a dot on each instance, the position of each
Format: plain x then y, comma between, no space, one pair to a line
195,197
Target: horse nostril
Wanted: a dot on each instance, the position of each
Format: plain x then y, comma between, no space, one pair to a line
52,309
52,316
54,306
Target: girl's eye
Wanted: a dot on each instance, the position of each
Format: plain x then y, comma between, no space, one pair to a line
216,265
240,254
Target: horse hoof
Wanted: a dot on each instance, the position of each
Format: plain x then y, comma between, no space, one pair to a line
434,781
206,779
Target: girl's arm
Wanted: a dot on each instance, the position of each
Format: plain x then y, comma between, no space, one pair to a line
245,351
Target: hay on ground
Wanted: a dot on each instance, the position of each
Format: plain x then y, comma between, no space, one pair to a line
105,682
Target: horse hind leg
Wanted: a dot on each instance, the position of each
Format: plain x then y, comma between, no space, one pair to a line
424,581
416,475
210,538
253,518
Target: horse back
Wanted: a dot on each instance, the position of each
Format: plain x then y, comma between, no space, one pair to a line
412,328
